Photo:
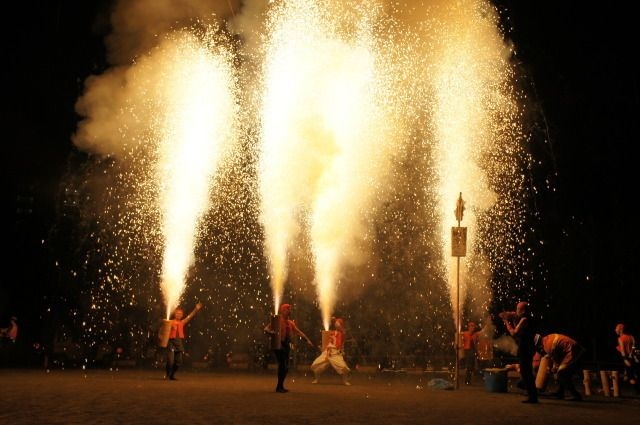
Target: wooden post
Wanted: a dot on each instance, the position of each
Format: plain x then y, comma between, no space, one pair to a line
604,377
586,380
614,380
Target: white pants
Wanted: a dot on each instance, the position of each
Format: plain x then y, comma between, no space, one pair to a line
331,356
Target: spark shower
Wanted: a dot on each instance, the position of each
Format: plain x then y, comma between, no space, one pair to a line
304,150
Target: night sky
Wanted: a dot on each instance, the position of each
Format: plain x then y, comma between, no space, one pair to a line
578,66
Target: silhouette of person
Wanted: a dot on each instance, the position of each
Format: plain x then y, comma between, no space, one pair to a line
625,347
522,327
469,345
286,328
11,332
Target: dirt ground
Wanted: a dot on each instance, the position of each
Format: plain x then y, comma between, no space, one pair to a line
143,396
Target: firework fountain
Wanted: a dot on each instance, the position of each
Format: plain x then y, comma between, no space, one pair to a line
326,124
345,129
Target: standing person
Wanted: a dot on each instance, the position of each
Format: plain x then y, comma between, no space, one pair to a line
11,333
484,344
285,331
522,327
8,347
565,354
333,354
469,345
175,348
625,347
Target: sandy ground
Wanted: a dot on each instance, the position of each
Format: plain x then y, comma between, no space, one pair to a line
135,396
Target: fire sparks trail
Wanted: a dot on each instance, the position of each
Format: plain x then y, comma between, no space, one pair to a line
177,110
197,128
357,125
325,141
472,101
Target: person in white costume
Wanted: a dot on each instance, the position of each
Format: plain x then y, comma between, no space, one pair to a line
333,354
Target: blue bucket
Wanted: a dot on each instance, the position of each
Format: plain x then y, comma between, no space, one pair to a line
495,380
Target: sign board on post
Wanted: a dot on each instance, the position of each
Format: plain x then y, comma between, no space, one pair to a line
458,241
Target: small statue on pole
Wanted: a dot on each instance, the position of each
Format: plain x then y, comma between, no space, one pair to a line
459,209
459,234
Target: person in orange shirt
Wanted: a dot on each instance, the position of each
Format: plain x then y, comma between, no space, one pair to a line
625,347
565,354
333,354
469,345
175,348
285,331
11,332
484,344
8,346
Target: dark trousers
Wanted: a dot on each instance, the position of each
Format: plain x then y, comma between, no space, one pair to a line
174,356
565,381
526,373
632,372
469,365
282,356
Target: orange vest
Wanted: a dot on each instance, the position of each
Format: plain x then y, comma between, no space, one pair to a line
177,329
337,339
627,342
12,334
468,340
